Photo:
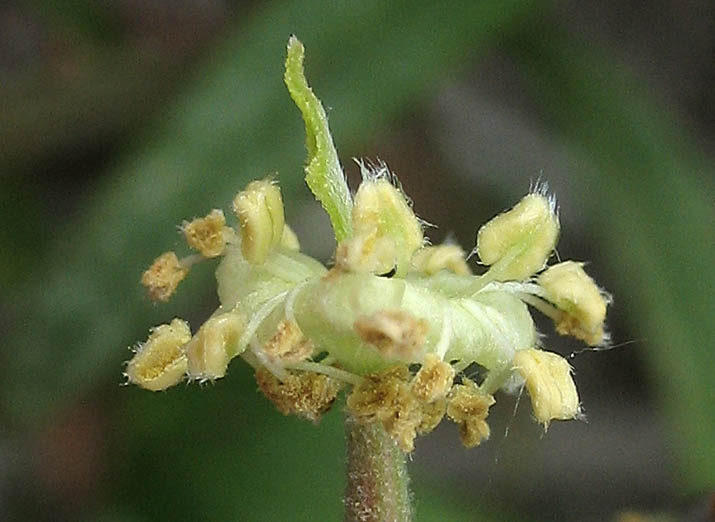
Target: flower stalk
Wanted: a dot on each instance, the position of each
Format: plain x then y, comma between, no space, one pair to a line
378,482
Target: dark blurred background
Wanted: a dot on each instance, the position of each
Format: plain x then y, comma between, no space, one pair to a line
120,118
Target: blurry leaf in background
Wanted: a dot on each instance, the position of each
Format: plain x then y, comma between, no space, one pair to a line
655,216
88,20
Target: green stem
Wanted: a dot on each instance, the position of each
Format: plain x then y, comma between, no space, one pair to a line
377,487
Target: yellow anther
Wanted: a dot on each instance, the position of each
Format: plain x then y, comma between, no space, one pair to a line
305,394
403,424
289,240
160,362
386,231
375,398
214,345
434,379
259,209
468,406
163,276
432,415
207,234
382,206
396,333
583,304
432,259
520,240
387,397
288,345
549,383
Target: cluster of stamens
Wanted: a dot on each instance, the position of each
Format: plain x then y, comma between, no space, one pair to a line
395,321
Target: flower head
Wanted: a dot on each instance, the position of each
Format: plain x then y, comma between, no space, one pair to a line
395,321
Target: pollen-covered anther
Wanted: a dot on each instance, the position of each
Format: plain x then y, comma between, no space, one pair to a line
583,304
387,397
288,345
550,385
468,406
207,234
163,276
402,425
214,345
376,397
432,415
434,380
259,209
160,362
433,259
396,333
305,394
520,240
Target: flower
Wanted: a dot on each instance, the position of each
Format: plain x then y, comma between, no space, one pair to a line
395,320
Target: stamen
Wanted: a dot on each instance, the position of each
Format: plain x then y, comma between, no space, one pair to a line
163,276
278,371
207,234
542,306
288,306
187,262
330,371
445,337
255,323
251,359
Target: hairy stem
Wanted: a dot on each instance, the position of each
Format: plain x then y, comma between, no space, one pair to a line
377,487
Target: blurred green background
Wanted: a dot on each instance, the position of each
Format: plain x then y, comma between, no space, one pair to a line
121,118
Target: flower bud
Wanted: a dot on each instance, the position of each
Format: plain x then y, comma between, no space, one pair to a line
520,240
583,304
207,234
259,209
549,383
160,362
163,276
214,345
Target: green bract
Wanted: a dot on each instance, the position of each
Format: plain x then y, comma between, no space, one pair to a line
323,172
